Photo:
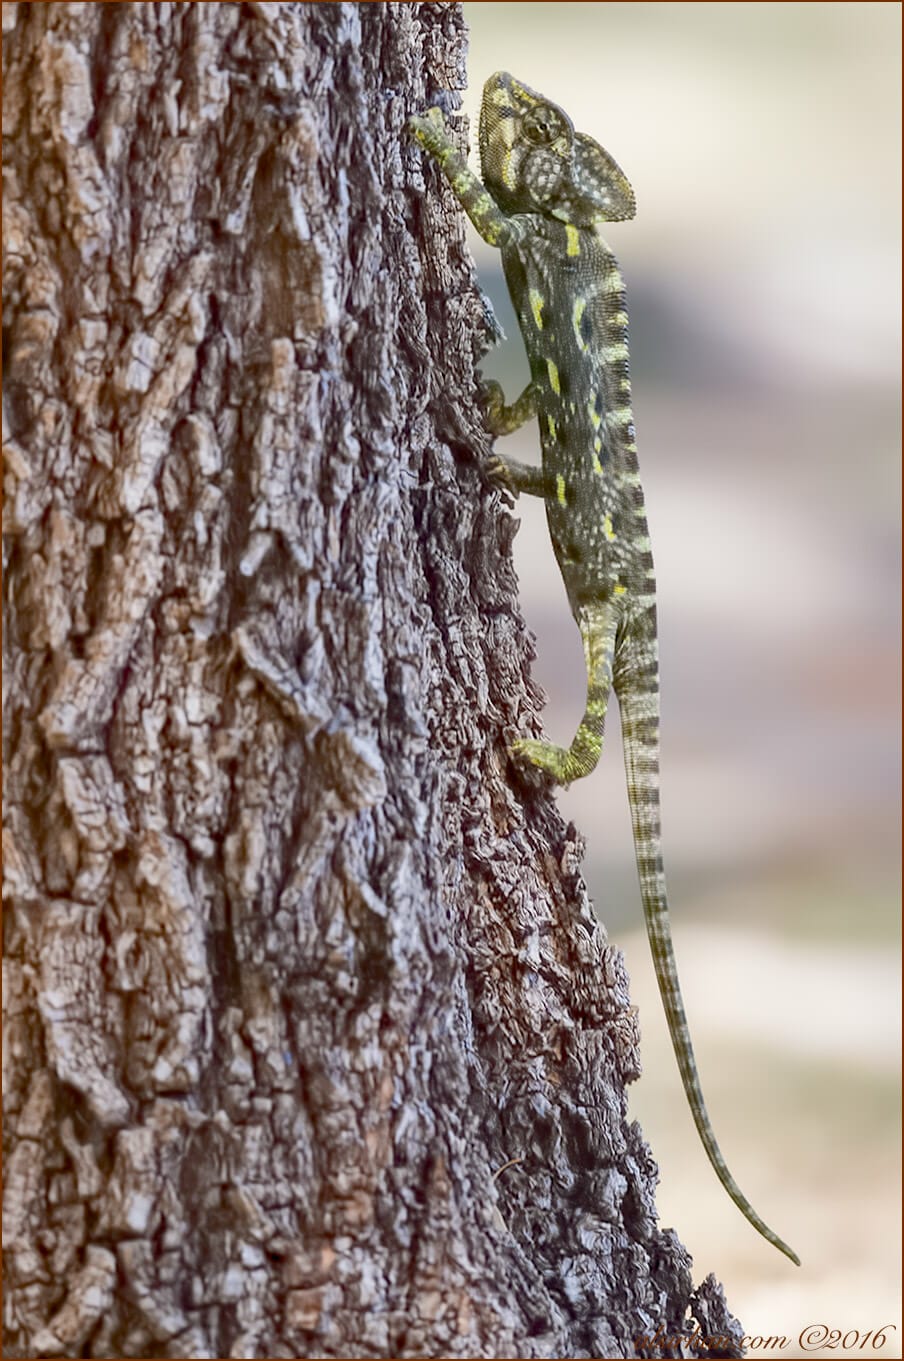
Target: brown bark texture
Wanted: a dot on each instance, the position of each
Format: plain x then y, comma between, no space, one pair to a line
295,963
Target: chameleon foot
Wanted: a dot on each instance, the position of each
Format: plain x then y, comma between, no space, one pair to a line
563,764
496,472
492,402
430,130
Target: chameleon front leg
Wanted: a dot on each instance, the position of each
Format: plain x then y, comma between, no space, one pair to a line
504,420
429,129
497,229
598,624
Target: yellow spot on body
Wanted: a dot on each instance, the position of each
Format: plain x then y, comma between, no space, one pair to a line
619,590
553,377
595,417
612,353
551,425
580,307
572,240
622,415
608,530
612,282
536,306
618,319
560,489
597,445
597,466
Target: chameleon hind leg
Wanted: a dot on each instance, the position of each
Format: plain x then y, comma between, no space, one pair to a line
598,624
501,419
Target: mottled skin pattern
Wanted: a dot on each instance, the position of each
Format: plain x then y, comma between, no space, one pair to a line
544,189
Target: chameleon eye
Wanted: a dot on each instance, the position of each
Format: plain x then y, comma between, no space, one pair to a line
541,125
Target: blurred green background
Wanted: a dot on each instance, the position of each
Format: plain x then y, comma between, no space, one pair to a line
763,279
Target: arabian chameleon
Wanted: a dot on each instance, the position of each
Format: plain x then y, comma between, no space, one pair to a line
544,189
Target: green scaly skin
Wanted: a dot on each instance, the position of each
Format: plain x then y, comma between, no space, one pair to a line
544,189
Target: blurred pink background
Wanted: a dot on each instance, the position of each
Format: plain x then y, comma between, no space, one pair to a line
763,144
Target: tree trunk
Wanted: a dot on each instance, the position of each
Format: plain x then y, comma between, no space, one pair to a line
315,1046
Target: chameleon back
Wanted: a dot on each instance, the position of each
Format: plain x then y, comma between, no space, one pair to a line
570,301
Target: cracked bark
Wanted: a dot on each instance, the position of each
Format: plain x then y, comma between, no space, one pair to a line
294,963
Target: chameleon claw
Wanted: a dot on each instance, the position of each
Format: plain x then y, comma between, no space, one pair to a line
495,470
492,402
429,129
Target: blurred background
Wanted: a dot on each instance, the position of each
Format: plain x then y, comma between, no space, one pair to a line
762,141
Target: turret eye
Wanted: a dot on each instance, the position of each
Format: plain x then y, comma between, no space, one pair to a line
541,125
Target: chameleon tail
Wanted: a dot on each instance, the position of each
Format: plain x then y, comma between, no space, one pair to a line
639,712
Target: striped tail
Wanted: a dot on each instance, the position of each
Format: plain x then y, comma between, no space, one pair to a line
639,712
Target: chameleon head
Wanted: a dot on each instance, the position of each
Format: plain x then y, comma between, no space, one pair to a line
533,160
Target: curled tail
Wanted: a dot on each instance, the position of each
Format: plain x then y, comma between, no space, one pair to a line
639,712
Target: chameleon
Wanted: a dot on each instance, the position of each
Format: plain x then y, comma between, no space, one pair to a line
545,188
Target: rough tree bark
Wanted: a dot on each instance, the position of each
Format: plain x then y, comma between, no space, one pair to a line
295,965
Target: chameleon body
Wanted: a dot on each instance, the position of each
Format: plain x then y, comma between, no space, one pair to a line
544,189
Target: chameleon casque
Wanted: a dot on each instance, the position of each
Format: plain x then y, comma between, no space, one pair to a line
544,188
